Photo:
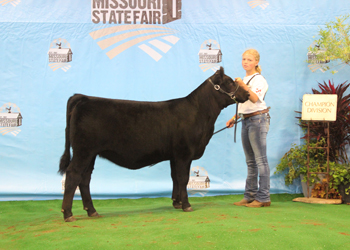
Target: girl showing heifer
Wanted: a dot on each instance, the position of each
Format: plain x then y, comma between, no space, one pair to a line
255,125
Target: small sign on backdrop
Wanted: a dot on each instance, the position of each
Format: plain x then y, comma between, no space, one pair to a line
319,107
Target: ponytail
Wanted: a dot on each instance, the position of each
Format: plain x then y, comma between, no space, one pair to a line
258,69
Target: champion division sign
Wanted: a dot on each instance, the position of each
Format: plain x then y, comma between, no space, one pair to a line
135,11
320,107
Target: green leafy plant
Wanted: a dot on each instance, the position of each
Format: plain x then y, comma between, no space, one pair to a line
339,174
294,162
333,43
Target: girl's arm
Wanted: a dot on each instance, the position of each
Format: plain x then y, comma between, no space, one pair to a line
253,97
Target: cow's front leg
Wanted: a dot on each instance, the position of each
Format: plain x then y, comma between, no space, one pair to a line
84,187
182,173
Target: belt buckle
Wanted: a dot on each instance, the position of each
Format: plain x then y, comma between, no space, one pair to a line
241,115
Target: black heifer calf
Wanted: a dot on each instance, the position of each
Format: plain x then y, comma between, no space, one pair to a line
137,134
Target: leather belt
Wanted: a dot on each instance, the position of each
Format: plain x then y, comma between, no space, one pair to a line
255,113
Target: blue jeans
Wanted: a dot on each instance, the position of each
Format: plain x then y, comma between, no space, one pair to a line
254,132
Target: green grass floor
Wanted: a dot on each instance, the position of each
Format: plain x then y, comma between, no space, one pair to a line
155,224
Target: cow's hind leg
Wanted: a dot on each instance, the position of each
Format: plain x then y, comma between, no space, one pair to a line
74,175
176,191
84,188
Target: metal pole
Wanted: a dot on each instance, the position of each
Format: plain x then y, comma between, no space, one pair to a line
327,160
308,160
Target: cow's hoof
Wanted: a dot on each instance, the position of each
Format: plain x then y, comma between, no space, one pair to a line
188,209
70,219
94,215
177,206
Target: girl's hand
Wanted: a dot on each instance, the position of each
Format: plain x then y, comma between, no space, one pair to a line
230,123
241,83
238,80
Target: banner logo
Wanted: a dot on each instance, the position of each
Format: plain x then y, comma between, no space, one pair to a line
13,2
10,119
314,63
60,54
117,39
142,19
261,3
135,11
199,181
210,55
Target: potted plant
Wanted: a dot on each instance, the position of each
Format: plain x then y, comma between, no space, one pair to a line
340,180
319,189
294,162
340,129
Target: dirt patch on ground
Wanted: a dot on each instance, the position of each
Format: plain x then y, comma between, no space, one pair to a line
46,232
311,222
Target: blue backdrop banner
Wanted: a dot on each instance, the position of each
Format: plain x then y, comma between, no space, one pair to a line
147,50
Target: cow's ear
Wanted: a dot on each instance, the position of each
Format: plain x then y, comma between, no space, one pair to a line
222,72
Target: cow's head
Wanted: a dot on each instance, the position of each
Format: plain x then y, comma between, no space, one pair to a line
228,88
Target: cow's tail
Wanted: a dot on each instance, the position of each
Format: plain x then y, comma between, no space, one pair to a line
66,157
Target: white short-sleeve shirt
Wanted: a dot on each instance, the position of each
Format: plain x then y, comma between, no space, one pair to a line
259,86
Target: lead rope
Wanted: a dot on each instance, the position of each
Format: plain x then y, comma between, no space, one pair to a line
225,128
236,123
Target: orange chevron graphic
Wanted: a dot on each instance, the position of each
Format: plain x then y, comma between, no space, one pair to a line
64,66
107,31
13,130
119,49
142,33
314,67
13,2
207,66
112,40
261,3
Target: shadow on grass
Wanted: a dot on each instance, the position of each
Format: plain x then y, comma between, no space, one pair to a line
143,211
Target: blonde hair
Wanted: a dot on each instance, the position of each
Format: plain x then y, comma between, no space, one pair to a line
256,55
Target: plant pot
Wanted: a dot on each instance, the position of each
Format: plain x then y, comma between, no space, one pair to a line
304,184
345,198
304,187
